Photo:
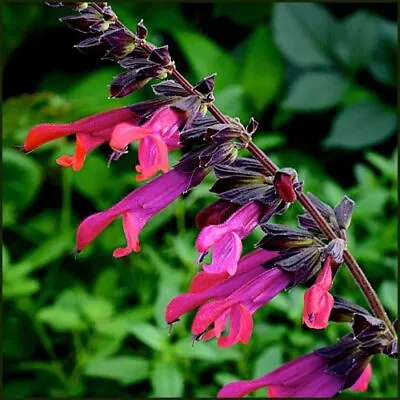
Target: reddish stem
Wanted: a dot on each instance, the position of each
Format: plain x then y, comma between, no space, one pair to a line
355,269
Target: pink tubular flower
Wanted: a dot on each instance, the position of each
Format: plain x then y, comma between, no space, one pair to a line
235,297
136,209
318,302
302,377
226,238
90,132
362,382
156,137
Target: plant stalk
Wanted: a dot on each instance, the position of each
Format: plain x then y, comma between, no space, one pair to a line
356,271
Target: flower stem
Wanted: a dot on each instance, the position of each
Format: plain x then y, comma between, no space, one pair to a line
355,269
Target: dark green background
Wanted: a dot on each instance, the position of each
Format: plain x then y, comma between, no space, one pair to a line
94,326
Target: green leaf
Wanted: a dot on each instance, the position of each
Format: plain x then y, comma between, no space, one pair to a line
106,346
15,33
371,203
148,334
19,337
94,180
19,288
168,288
269,140
22,177
123,369
230,100
206,57
50,251
358,39
6,257
262,74
356,94
167,380
97,309
383,63
304,33
92,92
222,378
361,125
388,293
365,176
314,91
269,359
106,284
206,351
383,165
61,319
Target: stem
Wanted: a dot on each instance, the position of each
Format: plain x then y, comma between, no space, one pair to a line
355,269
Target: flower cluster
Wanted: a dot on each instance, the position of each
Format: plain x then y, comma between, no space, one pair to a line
232,286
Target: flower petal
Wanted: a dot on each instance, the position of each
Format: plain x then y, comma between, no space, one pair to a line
209,236
324,278
125,133
44,133
132,226
166,123
153,156
241,327
92,226
362,382
226,255
203,281
318,304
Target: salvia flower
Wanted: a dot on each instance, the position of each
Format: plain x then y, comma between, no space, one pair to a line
326,371
156,137
226,239
90,132
362,382
136,209
302,377
236,298
318,302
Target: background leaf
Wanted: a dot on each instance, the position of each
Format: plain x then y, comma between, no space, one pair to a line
193,44
383,63
304,33
263,68
315,91
167,380
124,369
22,179
358,39
361,125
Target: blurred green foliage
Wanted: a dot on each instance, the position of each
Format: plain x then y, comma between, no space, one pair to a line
94,326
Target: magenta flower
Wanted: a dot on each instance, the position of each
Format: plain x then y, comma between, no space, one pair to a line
90,132
318,302
136,209
156,137
362,382
302,377
235,297
226,238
